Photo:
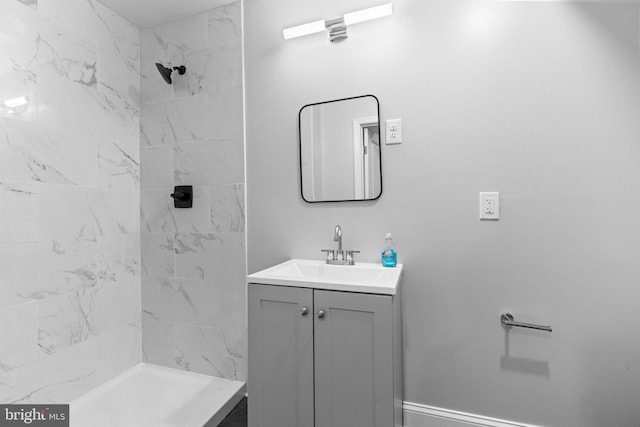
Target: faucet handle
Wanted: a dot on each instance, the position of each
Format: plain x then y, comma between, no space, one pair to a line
330,253
349,256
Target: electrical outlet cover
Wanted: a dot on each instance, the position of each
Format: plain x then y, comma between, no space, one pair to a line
393,131
489,205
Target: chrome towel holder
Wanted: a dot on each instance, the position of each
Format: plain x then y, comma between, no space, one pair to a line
508,320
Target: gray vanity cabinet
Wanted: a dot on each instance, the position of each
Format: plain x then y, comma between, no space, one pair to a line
323,358
353,360
280,379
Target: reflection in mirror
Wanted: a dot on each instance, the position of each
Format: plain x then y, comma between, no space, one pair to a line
340,156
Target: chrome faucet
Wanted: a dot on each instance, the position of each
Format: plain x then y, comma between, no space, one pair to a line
339,256
337,237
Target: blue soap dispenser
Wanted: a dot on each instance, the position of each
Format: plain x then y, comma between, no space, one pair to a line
389,255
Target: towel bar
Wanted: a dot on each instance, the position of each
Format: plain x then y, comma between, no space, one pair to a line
507,320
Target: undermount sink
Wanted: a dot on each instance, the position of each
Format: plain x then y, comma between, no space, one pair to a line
361,277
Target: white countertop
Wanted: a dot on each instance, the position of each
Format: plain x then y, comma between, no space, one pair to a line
362,277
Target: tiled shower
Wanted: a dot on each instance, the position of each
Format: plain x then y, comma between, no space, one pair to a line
193,262
98,271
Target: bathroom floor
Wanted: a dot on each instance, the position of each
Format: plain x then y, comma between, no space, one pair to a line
149,395
237,417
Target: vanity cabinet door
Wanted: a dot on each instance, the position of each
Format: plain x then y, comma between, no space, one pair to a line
280,377
353,345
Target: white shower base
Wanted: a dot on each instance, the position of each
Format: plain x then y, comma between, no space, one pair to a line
150,395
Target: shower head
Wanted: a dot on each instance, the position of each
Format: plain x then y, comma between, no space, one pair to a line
165,72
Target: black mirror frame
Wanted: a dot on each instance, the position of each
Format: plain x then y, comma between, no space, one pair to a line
300,149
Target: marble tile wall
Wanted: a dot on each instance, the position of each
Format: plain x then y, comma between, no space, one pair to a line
69,198
193,260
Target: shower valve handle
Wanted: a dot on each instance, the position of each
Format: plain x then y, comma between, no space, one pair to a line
180,196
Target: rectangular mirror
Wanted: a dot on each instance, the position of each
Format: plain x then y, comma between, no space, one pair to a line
340,155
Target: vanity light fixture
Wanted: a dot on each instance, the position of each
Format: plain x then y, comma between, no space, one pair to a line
16,102
337,27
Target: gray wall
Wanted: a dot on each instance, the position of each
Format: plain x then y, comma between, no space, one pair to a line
193,260
537,100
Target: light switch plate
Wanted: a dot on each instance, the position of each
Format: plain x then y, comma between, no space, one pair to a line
490,205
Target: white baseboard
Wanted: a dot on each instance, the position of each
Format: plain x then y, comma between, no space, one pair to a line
417,415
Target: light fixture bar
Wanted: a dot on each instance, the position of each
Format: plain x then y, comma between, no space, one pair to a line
368,14
16,102
303,30
336,29
330,24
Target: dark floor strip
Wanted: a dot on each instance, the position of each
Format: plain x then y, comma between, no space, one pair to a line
237,417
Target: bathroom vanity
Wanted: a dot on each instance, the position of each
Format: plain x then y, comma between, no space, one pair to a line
325,345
